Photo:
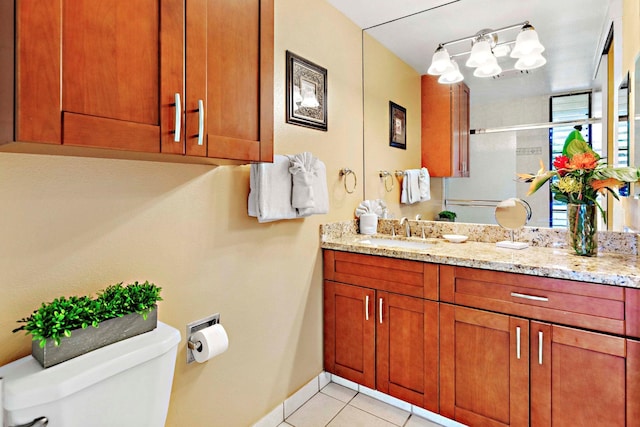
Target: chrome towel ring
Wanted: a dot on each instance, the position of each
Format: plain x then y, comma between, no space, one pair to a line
345,172
388,180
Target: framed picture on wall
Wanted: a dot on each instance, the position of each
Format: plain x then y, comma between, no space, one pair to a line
397,126
306,93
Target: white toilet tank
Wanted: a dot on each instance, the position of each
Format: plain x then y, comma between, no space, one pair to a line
126,384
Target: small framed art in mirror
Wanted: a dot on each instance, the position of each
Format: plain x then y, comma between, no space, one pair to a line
397,126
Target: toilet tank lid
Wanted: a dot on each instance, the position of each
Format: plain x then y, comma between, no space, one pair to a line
27,383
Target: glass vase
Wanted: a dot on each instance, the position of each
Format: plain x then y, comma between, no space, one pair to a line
582,232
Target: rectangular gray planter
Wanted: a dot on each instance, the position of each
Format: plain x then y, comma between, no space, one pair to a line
85,340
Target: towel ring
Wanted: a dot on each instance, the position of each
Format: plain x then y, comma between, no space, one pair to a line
388,180
344,172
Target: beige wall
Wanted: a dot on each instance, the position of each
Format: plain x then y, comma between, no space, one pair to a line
74,225
387,78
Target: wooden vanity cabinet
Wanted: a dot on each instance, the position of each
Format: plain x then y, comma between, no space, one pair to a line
501,367
445,128
110,74
379,329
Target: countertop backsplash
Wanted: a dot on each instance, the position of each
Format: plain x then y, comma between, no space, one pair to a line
608,241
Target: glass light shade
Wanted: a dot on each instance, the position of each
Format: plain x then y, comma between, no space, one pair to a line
440,63
488,69
530,62
527,43
480,53
451,77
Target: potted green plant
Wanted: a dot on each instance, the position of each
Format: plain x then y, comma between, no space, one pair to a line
446,216
60,328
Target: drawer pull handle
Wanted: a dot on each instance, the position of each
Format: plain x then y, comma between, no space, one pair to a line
518,342
529,297
381,311
366,308
540,339
200,121
178,105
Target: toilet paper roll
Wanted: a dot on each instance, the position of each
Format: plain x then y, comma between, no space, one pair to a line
214,341
368,223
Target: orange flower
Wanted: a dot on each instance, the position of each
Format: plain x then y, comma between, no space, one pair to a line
583,161
602,184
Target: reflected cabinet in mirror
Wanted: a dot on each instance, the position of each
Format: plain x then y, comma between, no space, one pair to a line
511,112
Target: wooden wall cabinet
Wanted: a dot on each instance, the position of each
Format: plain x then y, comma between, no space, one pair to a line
445,128
110,74
499,369
377,337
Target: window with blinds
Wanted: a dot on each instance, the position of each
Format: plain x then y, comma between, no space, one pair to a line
562,108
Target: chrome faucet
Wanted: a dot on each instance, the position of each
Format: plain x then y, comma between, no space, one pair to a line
407,227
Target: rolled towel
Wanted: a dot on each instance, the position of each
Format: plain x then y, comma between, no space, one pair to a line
424,183
302,167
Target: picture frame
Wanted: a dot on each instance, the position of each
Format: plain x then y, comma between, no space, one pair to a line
397,126
306,93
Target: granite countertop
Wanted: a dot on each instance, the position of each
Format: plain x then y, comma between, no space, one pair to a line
609,268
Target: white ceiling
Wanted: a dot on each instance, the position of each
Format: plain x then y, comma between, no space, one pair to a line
571,31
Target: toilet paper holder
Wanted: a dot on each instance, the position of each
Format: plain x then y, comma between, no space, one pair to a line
194,327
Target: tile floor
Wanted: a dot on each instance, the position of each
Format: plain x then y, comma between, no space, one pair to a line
338,406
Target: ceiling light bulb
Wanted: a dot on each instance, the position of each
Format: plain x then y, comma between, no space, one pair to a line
453,76
440,63
488,69
480,53
527,43
530,62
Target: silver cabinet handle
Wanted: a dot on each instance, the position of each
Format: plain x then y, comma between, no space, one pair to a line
529,297
381,311
366,308
540,339
200,121
38,422
176,137
518,342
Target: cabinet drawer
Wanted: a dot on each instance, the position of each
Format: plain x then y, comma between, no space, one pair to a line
567,302
413,278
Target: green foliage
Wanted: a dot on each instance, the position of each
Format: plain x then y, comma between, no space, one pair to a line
451,216
62,315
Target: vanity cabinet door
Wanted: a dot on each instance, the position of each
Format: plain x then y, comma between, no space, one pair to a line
229,85
98,73
445,128
577,377
407,349
349,332
484,367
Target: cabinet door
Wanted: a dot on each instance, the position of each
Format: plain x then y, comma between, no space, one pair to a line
460,129
349,332
445,128
484,367
407,349
578,377
100,73
230,72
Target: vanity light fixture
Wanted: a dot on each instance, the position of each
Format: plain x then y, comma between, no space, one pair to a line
484,52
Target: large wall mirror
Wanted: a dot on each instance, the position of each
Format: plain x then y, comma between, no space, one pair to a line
575,34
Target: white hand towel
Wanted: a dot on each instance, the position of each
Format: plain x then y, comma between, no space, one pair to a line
302,168
271,190
425,185
410,187
320,192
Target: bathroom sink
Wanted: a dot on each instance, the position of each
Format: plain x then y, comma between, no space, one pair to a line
396,243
